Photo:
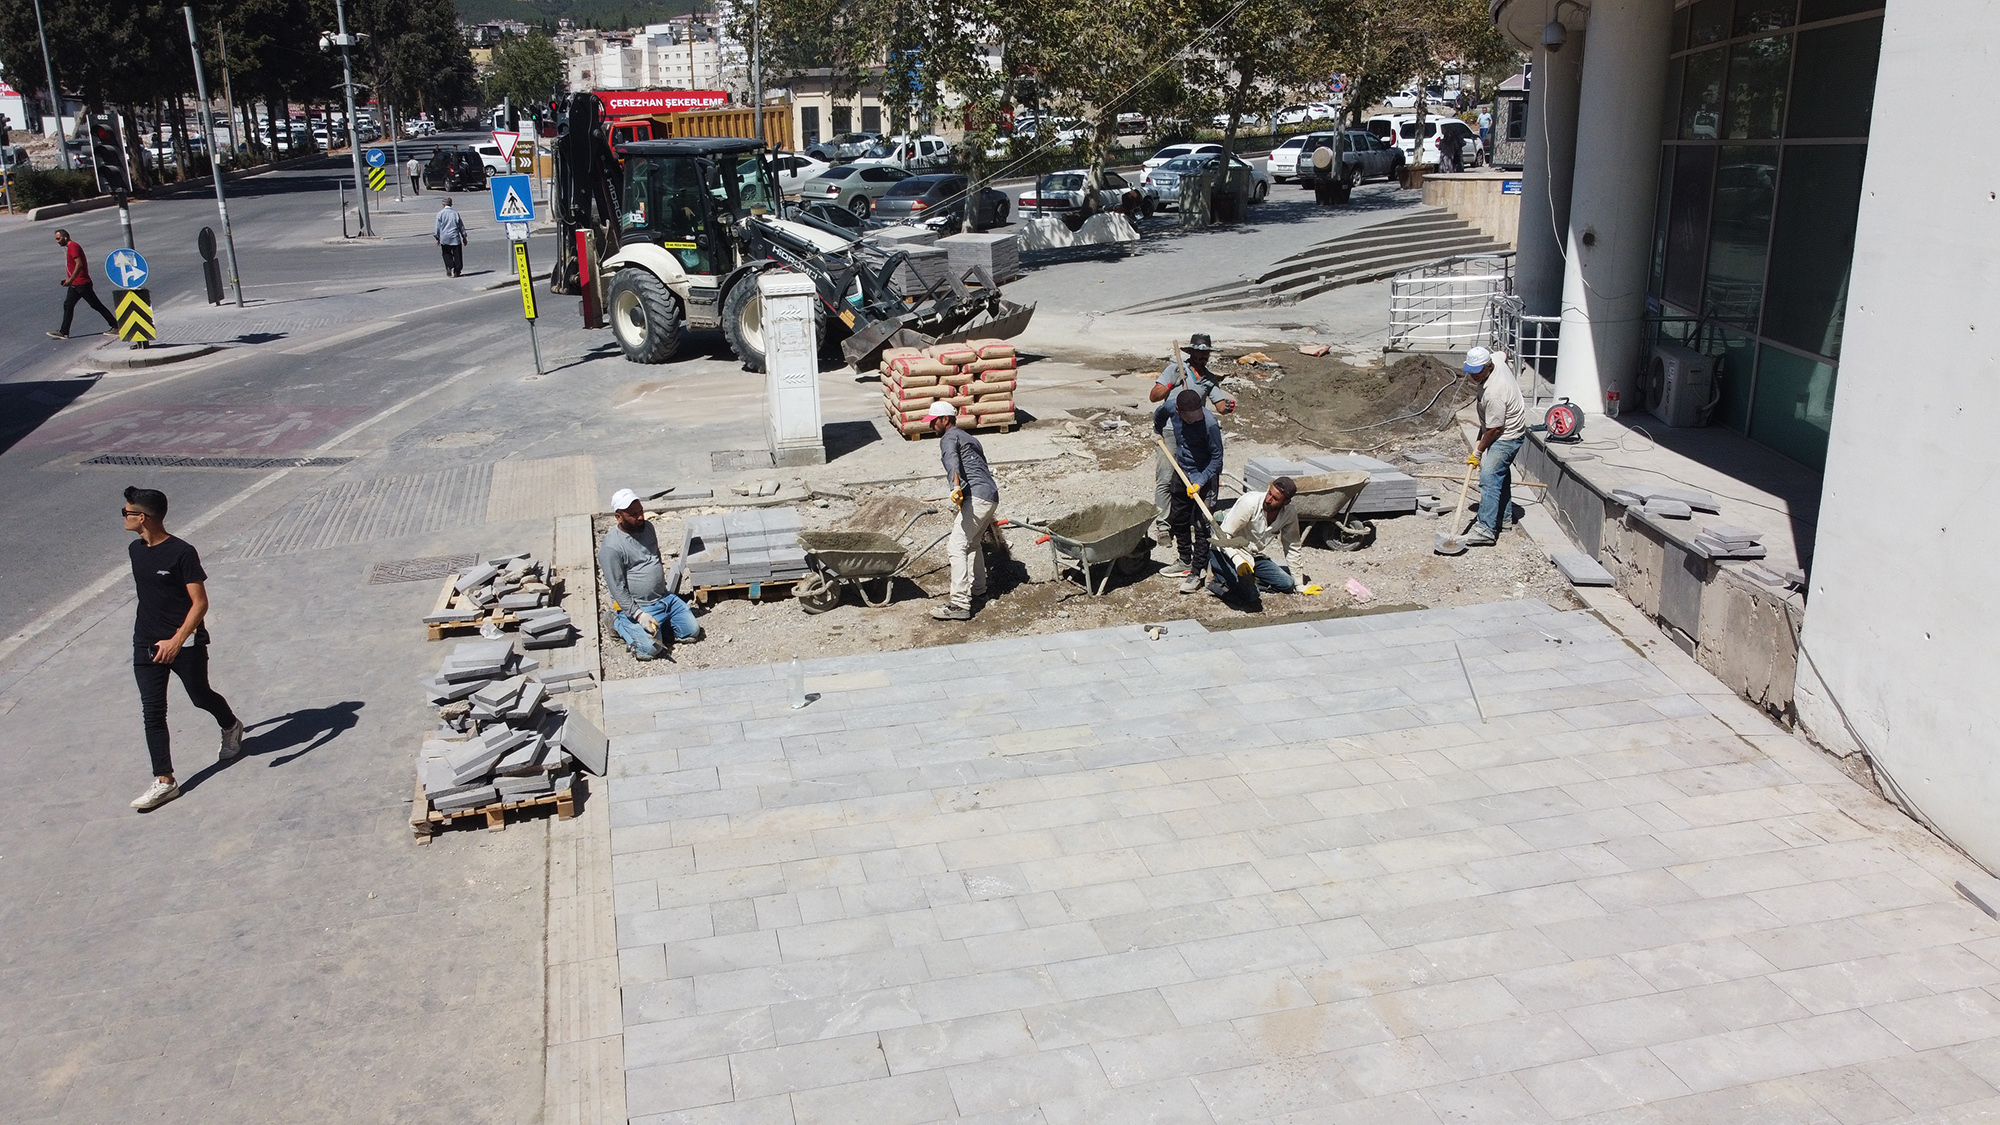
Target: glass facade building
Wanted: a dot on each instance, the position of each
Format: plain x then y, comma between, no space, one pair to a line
1764,138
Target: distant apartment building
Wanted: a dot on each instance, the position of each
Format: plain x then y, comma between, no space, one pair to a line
680,54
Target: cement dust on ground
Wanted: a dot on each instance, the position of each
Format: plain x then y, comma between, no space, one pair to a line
1096,465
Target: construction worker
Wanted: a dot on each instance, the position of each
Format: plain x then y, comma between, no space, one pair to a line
629,559
1197,445
1256,520
1503,426
1189,373
976,497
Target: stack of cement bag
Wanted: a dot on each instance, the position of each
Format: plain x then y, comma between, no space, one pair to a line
496,742
977,377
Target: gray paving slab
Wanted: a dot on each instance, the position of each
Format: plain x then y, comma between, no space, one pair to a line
1315,883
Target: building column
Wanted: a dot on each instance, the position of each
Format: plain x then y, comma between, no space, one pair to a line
1546,173
1611,200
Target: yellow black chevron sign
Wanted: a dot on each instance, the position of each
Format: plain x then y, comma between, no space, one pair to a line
377,179
134,309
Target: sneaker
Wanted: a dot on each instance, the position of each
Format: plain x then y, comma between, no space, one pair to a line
160,793
1219,590
1479,535
232,742
58,335
1191,583
952,613
1177,570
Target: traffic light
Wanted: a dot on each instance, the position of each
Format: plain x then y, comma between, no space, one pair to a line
112,175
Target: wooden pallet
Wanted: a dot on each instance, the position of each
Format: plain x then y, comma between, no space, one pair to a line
1003,428
755,591
426,822
449,598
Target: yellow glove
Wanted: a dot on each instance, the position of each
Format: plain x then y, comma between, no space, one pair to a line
1192,490
1472,458
957,496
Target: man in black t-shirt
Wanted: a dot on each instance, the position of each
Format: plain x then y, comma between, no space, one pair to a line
168,637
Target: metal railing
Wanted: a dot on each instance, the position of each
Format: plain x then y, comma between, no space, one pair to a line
1530,344
1448,304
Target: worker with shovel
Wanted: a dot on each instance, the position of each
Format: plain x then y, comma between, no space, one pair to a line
1187,369
1503,426
1197,461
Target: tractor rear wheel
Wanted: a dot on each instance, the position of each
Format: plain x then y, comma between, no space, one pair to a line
645,316
743,322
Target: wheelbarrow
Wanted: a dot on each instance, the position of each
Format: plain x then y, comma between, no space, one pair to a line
1328,499
1116,535
839,559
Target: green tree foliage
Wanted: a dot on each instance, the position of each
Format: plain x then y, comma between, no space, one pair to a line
525,70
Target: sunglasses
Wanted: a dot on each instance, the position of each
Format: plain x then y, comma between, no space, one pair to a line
128,513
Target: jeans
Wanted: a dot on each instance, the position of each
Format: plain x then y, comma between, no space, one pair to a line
968,561
454,257
1496,483
191,665
87,293
1164,485
1248,588
1190,526
670,611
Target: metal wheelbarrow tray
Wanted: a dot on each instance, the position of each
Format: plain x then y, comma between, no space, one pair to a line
841,558
1115,534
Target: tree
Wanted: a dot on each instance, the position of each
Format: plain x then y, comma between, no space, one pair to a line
525,71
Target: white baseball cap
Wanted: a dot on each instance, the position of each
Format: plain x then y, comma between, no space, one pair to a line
943,410
1476,359
623,499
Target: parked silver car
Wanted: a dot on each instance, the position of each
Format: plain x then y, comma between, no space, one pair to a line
853,186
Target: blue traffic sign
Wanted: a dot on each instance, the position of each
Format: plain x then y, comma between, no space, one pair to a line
513,199
125,269
377,158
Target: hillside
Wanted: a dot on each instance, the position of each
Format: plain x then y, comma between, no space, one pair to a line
588,13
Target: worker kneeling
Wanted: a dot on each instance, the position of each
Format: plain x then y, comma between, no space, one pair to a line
633,574
1242,571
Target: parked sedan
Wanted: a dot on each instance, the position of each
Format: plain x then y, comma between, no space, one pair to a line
794,170
855,187
1170,152
842,147
939,200
1165,180
1059,192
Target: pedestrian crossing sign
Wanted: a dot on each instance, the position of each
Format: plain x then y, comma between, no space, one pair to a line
513,199
377,179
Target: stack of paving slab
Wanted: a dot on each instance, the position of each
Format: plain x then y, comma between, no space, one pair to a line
1389,491
516,584
995,257
978,377
1666,503
493,743
755,545
1724,541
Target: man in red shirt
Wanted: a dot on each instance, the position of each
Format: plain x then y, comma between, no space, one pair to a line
77,287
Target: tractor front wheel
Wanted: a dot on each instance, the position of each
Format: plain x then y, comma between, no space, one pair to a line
645,316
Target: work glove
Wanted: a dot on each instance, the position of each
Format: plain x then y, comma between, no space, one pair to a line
1193,488
1472,458
958,497
651,623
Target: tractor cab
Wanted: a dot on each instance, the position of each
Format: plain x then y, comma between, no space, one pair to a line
690,197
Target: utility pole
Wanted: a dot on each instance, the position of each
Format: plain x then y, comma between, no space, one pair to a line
756,67
228,93
214,165
55,92
345,41
395,157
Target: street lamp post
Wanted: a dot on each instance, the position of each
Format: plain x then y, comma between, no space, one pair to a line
756,67
344,41
55,94
214,163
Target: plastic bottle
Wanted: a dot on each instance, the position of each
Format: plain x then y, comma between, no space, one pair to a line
795,682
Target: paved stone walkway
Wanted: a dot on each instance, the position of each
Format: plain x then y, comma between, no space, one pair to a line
1299,873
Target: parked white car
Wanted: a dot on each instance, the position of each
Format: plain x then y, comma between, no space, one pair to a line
1063,191
489,155
1284,160
1185,148
929,152
1401,130
794,170
1163,184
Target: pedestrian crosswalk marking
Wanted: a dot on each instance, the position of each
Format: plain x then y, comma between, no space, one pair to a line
512,207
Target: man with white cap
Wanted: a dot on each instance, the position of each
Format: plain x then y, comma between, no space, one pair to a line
1503,425
629,558
976,496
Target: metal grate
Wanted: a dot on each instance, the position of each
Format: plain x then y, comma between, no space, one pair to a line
416,570
167,461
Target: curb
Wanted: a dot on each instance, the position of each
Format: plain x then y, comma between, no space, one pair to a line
152,357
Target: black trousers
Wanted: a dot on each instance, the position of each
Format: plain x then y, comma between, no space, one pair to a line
1190,526
454,257
191,665
87,293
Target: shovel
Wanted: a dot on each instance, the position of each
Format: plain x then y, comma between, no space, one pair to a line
1453,542
1243,566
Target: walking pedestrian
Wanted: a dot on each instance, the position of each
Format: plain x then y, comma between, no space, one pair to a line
77,286
449,231
169,636
976,496
416,171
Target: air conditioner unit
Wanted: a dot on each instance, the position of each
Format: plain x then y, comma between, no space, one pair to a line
1679,382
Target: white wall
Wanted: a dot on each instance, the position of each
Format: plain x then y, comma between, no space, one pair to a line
1902,633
